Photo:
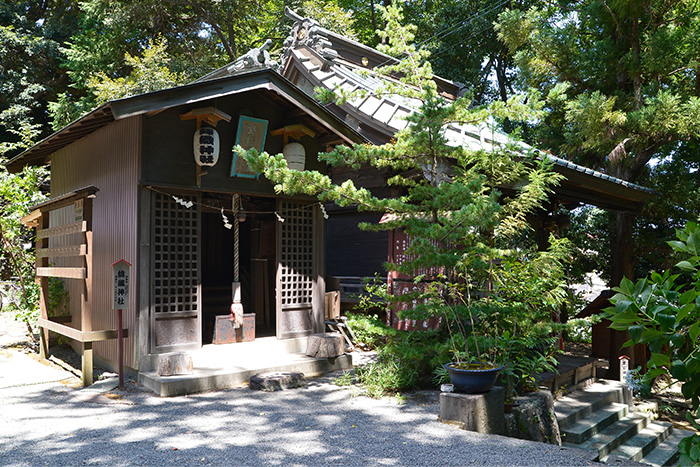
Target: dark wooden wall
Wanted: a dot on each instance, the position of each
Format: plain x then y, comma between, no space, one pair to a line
351,251
167,145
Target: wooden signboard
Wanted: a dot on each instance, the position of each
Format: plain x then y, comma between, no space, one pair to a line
120,288
251,134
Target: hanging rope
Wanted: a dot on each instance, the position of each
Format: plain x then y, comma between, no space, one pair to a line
236,208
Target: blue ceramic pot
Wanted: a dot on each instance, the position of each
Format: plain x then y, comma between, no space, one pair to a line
472,381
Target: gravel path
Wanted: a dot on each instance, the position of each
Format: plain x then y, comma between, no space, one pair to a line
55,423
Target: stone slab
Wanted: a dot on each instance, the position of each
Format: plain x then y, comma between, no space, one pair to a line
213,379
482,413
277,380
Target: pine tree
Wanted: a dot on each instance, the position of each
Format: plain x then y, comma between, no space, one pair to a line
464,210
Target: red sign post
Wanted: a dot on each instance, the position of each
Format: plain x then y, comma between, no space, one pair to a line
120,292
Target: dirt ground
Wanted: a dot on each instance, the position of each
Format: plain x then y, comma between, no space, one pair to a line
672,407
14,335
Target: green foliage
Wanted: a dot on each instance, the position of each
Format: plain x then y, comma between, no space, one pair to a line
405,362
59,298
464,45
149,72
346,379
331,16
18,192
465,212
30,71
369,330
627,74
663,311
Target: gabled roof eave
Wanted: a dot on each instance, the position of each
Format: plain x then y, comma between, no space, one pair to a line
192,93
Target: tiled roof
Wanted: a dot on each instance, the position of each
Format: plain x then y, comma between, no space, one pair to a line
331,70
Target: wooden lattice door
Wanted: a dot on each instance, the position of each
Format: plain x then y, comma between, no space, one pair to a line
176,303
296,269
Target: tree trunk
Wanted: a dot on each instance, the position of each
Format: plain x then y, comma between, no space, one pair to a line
622,262
622,266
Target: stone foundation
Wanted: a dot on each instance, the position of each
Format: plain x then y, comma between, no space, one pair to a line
534,419
474,412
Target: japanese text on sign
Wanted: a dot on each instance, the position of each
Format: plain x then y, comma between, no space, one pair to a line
121,285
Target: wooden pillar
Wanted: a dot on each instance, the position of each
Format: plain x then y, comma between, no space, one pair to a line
86,299
143,330
87,363
319,283
43,288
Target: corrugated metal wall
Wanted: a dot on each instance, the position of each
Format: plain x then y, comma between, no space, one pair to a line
107,159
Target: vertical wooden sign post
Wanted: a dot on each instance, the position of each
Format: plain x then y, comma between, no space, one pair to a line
624,367
120,291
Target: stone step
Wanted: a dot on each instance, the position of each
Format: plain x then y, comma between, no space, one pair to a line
581,403
581,430
644,442
609,439
666,453
232,374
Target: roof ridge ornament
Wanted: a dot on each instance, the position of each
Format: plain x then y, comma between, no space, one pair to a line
254,59
307,31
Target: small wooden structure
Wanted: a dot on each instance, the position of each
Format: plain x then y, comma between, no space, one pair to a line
317,57
607,343
70,240
149,203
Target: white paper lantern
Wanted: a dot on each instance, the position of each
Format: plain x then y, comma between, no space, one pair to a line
206,146
295,155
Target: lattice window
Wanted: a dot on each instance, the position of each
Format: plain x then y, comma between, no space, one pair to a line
296,254
175,255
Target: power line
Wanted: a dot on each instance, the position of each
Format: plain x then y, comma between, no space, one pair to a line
457,27
453,29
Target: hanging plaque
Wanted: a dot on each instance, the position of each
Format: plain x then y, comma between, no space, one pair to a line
251,134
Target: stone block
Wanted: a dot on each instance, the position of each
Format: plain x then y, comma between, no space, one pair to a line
325,345
175,363
534,419
482,413
277,380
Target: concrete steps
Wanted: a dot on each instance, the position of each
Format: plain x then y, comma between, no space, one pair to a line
581,430
599,419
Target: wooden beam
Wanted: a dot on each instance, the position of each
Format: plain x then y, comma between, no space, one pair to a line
211,115
65,273
32,219
77,334
77,227
66,199
78,250
296,130
61,319
43,289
